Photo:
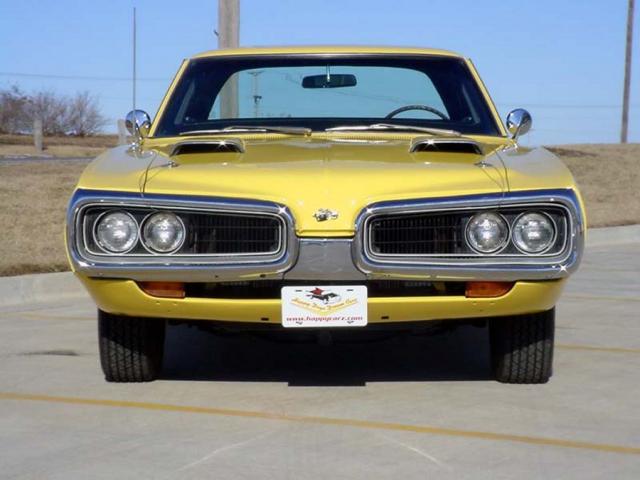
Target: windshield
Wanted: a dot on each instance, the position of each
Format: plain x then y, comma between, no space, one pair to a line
320,92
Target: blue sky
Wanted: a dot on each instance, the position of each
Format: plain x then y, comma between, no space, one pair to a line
562,60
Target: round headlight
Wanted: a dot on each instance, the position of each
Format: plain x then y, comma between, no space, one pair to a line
116,232
533,232
163,232
487,232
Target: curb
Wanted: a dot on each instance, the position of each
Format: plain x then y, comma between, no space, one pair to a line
598,237
48,287
40,288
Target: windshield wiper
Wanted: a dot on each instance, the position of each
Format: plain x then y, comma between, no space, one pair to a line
393,126
251,128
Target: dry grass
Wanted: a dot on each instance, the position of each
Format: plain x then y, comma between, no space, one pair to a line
609,178
34,195
33,199
21,145
102,141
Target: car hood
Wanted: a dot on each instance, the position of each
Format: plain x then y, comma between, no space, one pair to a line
307,174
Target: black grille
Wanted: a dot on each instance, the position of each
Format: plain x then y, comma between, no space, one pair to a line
443,233
418,234
233,234
207,233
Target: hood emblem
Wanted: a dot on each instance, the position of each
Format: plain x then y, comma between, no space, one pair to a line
324,214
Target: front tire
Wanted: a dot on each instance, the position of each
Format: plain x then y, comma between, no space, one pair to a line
131,348
522,347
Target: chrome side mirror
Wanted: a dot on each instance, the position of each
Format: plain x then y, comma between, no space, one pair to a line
518,122
138,123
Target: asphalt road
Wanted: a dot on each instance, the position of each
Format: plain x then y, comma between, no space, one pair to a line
236,408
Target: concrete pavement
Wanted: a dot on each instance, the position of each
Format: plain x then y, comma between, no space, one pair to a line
409,408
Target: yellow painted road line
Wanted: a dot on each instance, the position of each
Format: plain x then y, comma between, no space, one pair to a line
598,349
342,422
610,298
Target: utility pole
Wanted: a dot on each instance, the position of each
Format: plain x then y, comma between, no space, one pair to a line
627,75
256,92
228,23
229,37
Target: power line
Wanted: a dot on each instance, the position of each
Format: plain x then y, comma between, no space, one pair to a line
539,105
80,77
158,79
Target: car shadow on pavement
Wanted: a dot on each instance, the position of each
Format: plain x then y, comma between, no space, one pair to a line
191,354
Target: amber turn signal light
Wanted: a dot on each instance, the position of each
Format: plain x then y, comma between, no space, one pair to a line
163,289
487,289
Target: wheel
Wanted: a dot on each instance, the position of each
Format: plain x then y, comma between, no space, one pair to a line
522,347
131,348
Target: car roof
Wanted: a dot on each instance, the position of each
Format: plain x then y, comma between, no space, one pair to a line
326,50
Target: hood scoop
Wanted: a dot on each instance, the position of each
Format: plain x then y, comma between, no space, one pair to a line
445,145
229,145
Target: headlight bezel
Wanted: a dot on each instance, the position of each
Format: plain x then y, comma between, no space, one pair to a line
561,212
279,222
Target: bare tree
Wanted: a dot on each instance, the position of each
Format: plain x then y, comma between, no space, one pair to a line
83,115
60,115
13,115
51,109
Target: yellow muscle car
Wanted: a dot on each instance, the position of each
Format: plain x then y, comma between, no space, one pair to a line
322,190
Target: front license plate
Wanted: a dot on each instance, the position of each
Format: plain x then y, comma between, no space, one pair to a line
324,306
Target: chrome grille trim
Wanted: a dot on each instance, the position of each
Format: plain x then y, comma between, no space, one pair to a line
176,267
487,267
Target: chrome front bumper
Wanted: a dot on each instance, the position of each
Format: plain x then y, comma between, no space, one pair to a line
332,259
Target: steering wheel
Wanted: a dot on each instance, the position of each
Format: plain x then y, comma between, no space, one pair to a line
417,107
